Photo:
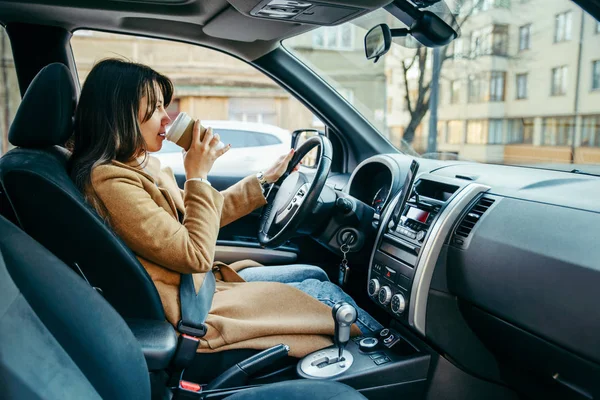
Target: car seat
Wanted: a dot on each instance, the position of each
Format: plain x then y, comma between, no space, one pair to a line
59,339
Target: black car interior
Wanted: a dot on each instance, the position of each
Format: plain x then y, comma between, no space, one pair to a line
485,276
60,351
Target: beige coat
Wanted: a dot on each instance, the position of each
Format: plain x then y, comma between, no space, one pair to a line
142,207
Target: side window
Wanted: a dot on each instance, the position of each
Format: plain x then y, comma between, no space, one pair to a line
10,96
268,140
248,109
237,139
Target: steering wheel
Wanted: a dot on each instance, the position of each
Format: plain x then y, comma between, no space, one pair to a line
294,196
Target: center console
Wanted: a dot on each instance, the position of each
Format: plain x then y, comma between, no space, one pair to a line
411,234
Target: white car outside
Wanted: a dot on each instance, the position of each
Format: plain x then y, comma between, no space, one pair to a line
254,147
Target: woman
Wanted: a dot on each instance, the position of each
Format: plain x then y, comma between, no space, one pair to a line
120,118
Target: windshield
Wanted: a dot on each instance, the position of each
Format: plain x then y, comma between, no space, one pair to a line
521,85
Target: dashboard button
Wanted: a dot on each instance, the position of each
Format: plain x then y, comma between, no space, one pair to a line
385,295
398,303
376,355
373,288
368,344
389,274
381,360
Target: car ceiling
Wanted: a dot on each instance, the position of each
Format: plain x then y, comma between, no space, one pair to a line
221,24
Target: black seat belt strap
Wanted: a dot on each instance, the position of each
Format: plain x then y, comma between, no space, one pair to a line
194,310
195,306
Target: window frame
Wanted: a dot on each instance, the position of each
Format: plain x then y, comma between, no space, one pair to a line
595,75
455,91
492,95
564,77
518,77
527,44
566,33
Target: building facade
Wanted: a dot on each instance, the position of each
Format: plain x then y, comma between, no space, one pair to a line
521,85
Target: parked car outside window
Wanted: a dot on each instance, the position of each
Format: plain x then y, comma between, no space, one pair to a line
254,146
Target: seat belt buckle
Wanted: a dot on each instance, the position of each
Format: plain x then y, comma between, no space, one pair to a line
188,391
186,350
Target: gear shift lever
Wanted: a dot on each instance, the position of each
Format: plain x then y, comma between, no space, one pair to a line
344,315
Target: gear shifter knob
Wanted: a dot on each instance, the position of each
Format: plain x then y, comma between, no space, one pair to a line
344,315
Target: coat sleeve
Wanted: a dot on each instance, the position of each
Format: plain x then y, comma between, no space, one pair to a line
240,199
152,232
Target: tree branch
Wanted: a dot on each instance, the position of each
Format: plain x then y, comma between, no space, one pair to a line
407,91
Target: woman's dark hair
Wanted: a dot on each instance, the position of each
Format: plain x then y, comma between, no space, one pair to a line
106,123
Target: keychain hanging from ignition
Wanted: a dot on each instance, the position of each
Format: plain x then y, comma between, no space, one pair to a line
344,270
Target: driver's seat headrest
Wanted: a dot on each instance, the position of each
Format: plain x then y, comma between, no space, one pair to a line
45,116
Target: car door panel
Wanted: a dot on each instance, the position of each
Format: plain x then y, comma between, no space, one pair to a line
238,240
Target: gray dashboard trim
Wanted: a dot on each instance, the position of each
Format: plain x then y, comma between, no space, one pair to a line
431,250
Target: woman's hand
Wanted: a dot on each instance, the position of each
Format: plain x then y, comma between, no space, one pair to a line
202,154
278,169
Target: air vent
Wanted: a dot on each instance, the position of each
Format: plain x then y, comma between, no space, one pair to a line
468,223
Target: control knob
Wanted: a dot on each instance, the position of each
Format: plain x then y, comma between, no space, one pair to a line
421,235
374,287
385,295
398,303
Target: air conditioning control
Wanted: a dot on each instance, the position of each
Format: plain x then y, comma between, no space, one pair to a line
373,288
398,303
385,295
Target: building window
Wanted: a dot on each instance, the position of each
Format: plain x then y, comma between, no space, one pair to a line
590,134
558,131
525,37
486,87
520,130
559,81
476,131
563,24
497,86
476,92
521,86
334,38
495,131
596,75
454,132
492,40
253,109
455,92
484,5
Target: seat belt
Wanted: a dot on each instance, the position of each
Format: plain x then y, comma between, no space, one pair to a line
194,310
195,306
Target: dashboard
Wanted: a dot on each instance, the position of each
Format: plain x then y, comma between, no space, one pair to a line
496,266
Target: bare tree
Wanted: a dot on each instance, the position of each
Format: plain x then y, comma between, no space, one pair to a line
418,105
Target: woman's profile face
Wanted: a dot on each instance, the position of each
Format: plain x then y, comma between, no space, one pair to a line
154,129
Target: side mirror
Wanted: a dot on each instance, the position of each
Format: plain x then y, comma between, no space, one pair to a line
299,137
378,41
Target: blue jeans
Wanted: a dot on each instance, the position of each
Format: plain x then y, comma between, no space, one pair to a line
283,273
313,281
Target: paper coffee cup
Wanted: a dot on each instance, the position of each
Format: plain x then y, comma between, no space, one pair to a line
181,132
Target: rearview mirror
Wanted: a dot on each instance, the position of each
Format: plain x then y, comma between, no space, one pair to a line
378,41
